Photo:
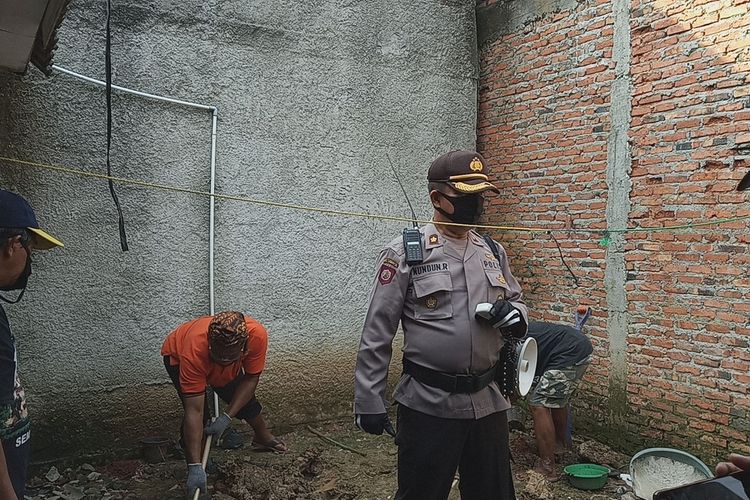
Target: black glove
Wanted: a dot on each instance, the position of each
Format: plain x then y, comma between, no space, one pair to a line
375,423
508,319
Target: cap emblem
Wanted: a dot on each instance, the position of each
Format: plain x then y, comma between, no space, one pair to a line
476,165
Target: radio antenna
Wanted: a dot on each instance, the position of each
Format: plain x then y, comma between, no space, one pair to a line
395,174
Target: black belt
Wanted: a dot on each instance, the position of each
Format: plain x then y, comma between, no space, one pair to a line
454,383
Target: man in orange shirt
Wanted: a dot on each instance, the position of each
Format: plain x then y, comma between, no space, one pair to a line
226,351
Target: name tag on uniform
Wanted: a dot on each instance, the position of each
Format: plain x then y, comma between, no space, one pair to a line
429,268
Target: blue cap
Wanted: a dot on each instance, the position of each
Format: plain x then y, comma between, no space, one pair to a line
15,211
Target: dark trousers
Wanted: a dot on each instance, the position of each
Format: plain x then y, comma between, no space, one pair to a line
430,449
248,412
17,452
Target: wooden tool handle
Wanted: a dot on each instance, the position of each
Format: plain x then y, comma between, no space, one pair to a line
204,461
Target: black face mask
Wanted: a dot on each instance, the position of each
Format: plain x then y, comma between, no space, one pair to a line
21,282
466,209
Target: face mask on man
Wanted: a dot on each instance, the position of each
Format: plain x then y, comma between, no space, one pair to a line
467,209
21,281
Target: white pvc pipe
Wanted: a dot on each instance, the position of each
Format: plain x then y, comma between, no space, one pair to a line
131,91
211,210
211,214
211,231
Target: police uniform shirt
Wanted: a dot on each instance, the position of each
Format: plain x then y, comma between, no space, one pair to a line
435,302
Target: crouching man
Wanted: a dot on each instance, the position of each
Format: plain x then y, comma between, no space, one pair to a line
564,353
228,353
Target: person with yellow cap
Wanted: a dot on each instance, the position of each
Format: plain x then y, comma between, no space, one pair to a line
20,234
451,410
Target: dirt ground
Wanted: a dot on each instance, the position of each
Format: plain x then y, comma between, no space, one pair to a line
313,469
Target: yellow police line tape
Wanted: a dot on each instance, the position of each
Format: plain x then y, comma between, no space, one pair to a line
244,199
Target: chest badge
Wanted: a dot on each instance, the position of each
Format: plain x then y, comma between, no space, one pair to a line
433,239
431,302
501,280
490,257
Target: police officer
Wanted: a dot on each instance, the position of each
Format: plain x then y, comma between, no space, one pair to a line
451,413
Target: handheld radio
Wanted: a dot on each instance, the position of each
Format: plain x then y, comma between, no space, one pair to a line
412,236
413,246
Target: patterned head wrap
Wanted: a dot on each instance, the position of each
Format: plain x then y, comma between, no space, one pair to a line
227,336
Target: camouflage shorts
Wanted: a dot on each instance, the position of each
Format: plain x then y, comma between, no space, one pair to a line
555,387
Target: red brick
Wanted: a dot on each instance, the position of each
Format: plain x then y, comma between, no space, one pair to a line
678,28
732,11
688,297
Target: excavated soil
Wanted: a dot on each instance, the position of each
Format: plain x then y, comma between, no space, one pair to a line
313,469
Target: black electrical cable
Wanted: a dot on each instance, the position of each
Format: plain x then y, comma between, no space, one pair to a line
403,190
108,78
562,257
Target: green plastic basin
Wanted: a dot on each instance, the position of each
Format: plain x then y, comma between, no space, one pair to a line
587,476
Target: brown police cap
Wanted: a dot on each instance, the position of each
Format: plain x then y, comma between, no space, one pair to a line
464,171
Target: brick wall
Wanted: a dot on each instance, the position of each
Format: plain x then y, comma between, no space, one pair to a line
544,124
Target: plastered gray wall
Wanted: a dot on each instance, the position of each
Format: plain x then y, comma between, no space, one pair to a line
495,19
311,96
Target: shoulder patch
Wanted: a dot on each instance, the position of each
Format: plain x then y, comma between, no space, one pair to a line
386,274
391,262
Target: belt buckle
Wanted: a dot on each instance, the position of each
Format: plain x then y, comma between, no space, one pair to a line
467,384
462,383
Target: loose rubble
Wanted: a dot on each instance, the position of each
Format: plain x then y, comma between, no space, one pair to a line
82,483
313,470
